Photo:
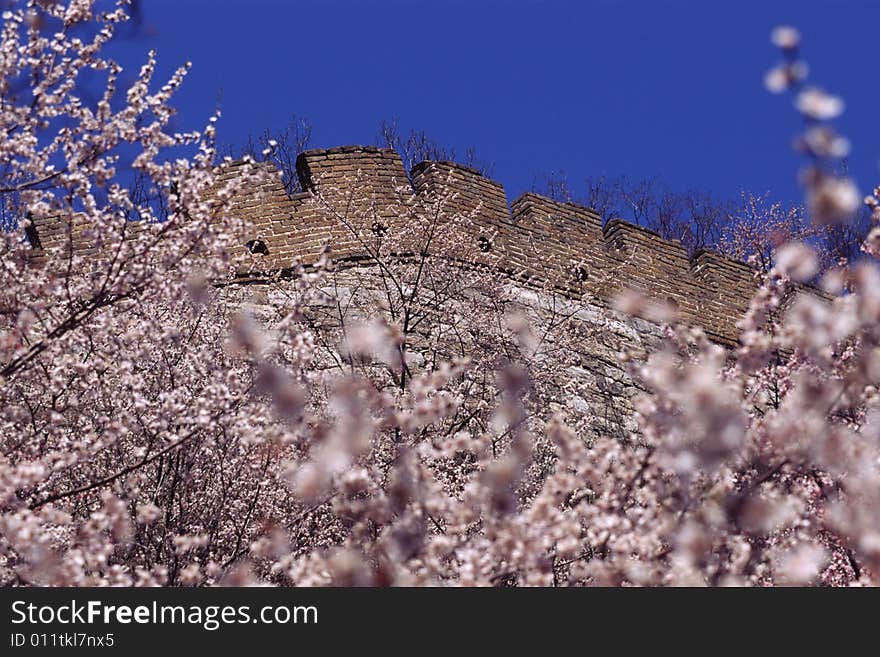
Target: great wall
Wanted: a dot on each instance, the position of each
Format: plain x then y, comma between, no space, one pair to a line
535,240
535,235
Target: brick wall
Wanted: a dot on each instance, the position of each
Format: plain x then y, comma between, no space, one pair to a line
353,191
538,239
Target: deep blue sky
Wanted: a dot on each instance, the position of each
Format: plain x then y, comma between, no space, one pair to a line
643,88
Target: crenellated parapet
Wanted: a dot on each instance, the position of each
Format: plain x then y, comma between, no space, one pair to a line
726,288
356,193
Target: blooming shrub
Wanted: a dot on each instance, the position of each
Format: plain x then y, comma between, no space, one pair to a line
402,420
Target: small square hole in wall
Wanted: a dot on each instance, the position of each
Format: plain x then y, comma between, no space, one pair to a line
33,239
257,247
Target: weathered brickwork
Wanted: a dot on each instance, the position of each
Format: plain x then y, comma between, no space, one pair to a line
543,246
535,237
357,189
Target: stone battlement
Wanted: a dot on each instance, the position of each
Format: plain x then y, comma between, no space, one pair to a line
533,238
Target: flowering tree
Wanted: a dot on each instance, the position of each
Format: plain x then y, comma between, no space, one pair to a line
400,418
119,406
753,467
